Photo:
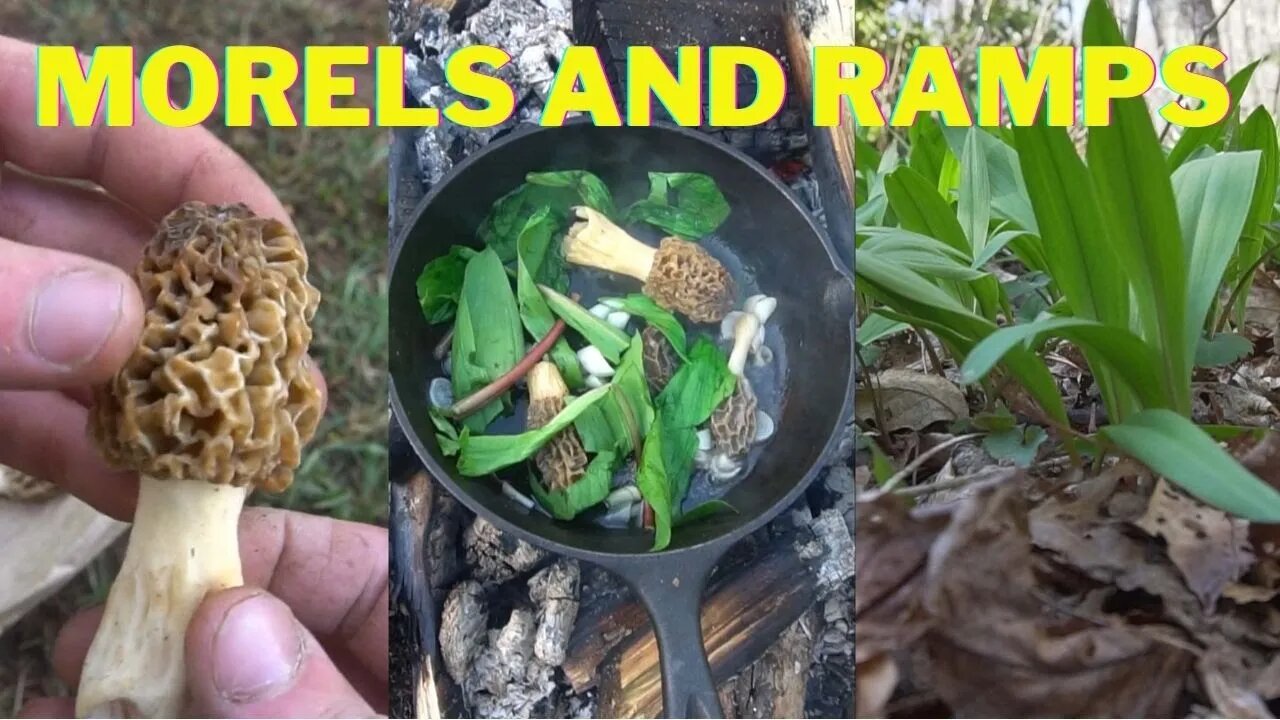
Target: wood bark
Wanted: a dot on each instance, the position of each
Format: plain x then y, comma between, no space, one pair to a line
742,617
774,685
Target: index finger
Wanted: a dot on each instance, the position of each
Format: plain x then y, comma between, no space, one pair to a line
332,573
148,166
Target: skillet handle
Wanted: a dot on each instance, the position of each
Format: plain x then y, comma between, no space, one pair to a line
675,606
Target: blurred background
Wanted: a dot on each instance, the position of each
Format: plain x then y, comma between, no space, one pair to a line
1243,29
333,181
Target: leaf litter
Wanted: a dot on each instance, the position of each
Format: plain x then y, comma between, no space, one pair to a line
1102,594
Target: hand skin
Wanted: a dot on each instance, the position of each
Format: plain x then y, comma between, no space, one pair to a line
69,312
305,638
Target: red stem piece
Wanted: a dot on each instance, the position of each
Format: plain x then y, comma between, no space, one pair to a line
484,395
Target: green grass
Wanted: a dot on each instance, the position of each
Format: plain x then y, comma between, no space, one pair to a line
333,181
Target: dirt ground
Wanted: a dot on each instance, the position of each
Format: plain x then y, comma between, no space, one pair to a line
334,183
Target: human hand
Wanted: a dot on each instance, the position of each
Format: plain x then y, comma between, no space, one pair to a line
69,312
306,637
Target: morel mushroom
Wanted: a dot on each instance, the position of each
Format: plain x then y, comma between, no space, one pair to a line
733,424
678,275
660,359
217,399
562,461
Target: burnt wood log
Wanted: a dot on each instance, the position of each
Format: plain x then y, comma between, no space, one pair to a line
418,512
742,617
774,686
833,164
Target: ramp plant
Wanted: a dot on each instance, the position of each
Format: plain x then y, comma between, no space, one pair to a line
1139,245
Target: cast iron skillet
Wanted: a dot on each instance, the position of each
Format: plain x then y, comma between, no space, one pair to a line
793,261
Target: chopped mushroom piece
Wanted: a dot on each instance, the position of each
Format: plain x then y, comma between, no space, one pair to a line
678,275
217,399
660,359
562,461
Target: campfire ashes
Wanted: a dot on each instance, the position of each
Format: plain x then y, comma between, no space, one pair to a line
508,610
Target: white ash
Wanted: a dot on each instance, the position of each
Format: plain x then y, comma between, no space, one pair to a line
554,589
840,481
837,535
837,634
494,557
405,16
535,33
462,628
507,680
582,707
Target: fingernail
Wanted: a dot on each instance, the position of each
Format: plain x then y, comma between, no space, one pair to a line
73,315
257,650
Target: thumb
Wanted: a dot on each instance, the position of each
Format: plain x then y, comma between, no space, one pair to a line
65,320
248,656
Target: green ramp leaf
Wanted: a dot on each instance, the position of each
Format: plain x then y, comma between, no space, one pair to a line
1125,353
440,284
1214,194
1137,200
644,307
483,454
1176,448
609,340
1194,138
487,337
686,204
533,249
591,489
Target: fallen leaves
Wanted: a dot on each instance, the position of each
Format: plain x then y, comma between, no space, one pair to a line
909,400
1209,547
1104,596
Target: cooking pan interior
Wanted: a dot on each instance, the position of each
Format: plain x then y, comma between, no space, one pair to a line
766,230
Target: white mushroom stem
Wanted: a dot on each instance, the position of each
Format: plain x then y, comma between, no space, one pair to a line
595,241
744,334
762,306
183,545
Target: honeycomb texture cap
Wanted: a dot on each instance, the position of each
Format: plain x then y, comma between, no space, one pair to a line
685,278
218,389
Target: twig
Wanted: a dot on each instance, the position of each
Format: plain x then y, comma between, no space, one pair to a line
877,409
1204,34
933,354
442,347
952,484
481,397
912,466
955,482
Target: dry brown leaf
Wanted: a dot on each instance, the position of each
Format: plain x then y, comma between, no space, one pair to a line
1209,547
1243,593
999,642
910,400
1239,680
1262,306
1232,701
1220,403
